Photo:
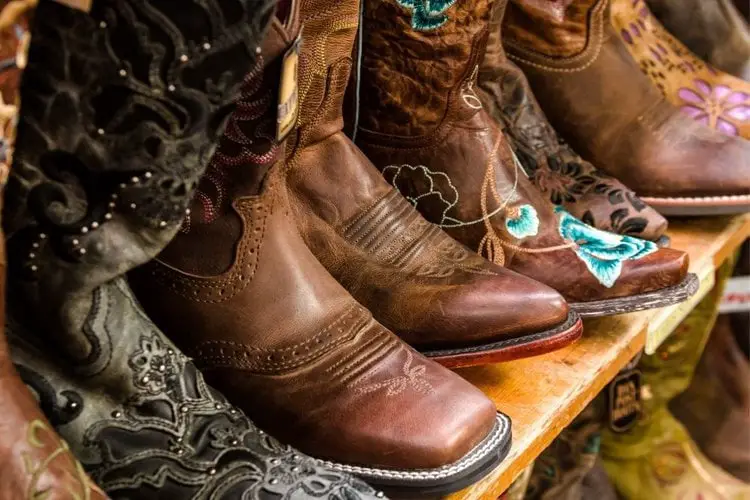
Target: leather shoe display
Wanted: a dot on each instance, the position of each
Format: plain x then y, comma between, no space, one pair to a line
711,97
423,126
557,171
437,295
242,294
596,97
121,111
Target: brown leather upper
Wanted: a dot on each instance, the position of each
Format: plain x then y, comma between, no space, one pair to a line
463,177
417,281
283,340
558,172
600,102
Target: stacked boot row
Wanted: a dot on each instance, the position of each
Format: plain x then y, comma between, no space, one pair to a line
290,280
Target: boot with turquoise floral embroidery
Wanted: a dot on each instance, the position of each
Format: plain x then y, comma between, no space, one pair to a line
422,124
657,459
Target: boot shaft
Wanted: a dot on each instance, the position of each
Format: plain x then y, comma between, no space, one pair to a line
416,57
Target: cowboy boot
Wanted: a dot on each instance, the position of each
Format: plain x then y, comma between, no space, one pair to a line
711,97
595,96
34,461
715,409
712,29
556,170
437,295
423,126
657,458
121,111
242,294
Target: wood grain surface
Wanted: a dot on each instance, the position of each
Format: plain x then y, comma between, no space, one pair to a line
542,395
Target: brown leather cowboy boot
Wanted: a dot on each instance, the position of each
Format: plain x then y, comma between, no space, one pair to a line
122,108
596,97
557,171
436,294
423,126
34,461
239,291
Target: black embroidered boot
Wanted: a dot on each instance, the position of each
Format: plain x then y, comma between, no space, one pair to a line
121,112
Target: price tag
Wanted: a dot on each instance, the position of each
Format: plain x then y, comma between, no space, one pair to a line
288,107
668,318
736,296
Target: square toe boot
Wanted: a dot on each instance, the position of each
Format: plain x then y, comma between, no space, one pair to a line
121,111
437,295
710,96
556,170
714,30
425,129
596,97
240,292
34,461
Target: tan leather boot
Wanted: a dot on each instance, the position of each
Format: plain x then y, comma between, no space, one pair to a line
34,461
557,171
596,97
240,291
709,96
423,126
436,294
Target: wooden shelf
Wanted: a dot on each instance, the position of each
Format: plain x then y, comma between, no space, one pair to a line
542,395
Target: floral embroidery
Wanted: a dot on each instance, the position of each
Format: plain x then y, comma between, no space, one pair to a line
716,106
601,251
413,377
427,14
522,222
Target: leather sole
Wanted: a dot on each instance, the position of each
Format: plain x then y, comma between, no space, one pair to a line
510,349
649,300
420,483
708,205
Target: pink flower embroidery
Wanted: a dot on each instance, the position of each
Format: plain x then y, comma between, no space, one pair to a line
719,107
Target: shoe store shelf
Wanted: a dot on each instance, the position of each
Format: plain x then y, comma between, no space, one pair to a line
542,395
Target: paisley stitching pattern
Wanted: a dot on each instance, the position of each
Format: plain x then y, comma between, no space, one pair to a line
522,222
601,251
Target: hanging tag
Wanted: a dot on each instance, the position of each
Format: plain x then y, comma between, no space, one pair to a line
625,400
288,107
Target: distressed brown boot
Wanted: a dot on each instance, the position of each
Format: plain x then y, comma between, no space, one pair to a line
557,171
596,97
240,291
423,126
34,461
436,294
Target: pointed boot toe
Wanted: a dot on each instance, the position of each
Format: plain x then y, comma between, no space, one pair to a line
493,317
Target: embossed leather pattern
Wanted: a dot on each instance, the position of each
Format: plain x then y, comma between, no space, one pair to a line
557,171
121,114
599,101
465,177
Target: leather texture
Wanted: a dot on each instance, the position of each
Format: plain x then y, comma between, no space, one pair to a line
122,108
715,30
277,333
610,113
417,281
715,408
657,458
556,170
709,96
34,461
464,177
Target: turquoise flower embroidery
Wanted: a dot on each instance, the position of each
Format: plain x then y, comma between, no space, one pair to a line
522,222
427,14
601,251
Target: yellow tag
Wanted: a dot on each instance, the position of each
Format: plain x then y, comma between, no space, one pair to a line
288,97
668,318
